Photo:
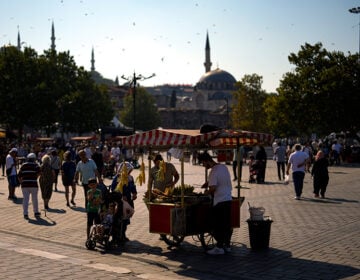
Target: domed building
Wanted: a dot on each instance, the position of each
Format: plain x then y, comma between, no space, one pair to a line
210,101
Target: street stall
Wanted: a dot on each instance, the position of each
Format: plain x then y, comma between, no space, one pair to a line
180,212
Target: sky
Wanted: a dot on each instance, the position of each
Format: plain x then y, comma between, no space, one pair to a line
167,37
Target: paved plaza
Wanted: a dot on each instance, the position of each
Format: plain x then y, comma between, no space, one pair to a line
310,238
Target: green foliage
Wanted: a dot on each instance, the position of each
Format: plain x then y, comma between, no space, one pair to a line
147,116
321,95
42,91
247,110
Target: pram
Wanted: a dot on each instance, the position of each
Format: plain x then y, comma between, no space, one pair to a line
254,167
99,233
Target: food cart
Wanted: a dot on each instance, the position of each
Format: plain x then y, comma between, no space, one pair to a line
175,215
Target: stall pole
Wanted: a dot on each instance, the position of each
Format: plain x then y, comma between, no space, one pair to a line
149,171
239,171
182,181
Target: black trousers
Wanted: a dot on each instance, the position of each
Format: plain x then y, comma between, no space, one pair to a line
222,223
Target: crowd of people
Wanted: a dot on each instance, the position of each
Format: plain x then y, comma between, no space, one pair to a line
35,168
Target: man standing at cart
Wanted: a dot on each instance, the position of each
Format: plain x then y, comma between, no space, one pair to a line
163,175
219,186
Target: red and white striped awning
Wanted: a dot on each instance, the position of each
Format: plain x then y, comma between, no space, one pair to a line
164,138
232,138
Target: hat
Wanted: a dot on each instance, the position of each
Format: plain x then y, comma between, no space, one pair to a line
92,181
129,166
13,150
31,156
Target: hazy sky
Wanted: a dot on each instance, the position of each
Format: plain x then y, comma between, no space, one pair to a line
167,37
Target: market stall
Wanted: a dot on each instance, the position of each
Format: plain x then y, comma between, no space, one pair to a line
181,212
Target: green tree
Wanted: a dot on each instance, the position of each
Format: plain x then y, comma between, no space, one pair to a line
247,109
147,116
321,94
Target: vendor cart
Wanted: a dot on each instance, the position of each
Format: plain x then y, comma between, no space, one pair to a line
175,216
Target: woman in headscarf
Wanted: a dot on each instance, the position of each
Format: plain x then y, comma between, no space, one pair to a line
124,183
320,174
46,179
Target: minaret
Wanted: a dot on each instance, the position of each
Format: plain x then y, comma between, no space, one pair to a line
18,41
53,37
92,60
207,62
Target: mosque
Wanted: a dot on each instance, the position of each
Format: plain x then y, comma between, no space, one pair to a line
209,101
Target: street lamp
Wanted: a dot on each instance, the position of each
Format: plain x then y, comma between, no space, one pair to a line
356,11
133,81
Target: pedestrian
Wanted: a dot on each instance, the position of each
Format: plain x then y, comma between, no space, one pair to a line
261,159
87,168
46,180
298,161
124,183
11,163
93,204
55,165
336,149
97,156
235,162
2,158
68,170
28,175
280,158
219,186
320,174
163,175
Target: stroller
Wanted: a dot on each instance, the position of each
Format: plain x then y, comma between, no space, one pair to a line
254,166
100,233
108,232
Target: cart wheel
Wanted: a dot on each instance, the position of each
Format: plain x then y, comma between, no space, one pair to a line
207,241
172,240
90,244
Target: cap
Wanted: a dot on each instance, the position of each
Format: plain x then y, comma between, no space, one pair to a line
13,150
92,181
129,166
31,156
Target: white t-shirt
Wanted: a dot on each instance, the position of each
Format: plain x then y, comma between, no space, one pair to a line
219,178
298,158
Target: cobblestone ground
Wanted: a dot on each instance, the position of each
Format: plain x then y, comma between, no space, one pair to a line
310,238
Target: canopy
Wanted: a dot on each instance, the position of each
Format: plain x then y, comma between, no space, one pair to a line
220,139
165,138
231,138
83,138
44,139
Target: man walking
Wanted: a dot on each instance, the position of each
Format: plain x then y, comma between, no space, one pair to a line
298,161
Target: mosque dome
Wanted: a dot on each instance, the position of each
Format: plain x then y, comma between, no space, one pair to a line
217,80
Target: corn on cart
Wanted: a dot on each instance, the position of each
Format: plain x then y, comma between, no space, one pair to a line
175,215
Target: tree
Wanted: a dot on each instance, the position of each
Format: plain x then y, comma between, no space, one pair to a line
321,95
247,109
147,116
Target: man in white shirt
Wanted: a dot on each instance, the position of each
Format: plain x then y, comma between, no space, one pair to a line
219,185
298,161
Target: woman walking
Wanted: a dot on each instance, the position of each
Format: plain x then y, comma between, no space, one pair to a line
68,170
320,174
46,180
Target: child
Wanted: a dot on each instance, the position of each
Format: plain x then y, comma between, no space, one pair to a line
93,205
252,169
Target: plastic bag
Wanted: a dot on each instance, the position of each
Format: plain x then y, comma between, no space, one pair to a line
287,179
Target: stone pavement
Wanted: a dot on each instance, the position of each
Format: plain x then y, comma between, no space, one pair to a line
310,238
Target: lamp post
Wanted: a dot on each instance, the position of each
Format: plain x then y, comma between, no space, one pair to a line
356,11
133,81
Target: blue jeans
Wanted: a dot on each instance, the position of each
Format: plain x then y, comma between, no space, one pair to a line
298,178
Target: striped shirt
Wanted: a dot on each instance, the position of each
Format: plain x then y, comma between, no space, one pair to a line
28,174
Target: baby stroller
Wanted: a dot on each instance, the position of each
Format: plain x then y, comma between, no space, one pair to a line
100,233
254,166
105,232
